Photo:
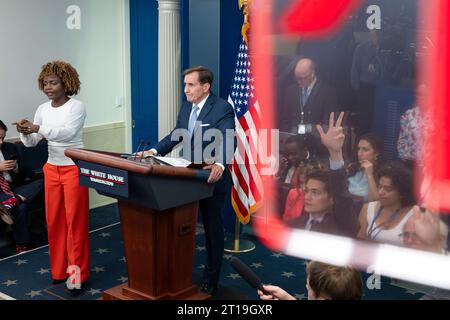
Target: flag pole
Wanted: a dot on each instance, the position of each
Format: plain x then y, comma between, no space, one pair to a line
237,244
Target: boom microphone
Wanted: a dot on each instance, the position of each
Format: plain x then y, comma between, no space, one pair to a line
248,275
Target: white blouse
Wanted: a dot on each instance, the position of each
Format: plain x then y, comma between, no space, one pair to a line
62,127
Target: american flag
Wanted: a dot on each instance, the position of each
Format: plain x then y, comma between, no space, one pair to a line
247,191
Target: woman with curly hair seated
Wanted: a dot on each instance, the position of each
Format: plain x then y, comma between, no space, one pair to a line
383,220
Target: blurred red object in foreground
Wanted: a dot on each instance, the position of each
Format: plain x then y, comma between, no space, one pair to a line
309,17
433,41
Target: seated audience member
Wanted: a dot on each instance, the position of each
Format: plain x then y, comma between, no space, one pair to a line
407,142
295,198
411,128
291,176
14,195
328,207
425,231
362,183
296,152
323,282
383,220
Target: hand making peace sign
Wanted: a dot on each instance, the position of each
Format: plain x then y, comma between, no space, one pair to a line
334,138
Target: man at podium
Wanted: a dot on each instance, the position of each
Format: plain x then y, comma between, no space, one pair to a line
205,111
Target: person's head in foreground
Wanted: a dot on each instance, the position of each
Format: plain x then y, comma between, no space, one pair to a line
425,231
323,282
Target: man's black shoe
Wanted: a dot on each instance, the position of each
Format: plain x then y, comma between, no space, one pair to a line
208,288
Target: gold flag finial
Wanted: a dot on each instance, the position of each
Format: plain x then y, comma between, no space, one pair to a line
243,5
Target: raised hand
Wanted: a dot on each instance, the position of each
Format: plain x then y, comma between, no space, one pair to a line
334,138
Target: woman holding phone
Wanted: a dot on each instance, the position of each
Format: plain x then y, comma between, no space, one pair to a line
61,121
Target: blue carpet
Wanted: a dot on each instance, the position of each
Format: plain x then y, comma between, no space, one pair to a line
27,276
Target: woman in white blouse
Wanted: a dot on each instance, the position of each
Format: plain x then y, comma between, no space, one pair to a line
61,121
383,220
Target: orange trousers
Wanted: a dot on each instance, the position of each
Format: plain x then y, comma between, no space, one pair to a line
67,209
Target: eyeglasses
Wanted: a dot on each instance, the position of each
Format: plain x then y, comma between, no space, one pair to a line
408,235
304,78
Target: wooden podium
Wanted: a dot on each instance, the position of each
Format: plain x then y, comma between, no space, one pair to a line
158,217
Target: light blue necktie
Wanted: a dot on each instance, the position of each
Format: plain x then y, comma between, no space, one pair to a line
304,96
193,118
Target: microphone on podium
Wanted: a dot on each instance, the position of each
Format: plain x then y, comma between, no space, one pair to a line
141,142
143,149
247,274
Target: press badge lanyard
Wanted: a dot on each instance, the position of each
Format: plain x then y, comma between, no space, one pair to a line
372,228
303,99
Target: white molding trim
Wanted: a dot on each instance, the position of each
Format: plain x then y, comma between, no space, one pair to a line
104,126
126,64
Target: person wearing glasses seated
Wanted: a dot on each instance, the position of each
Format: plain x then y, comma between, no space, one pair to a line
426,231
383,220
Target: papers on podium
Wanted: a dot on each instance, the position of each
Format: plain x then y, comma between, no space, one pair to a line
174,162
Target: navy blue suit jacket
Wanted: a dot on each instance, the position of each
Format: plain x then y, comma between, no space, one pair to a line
321,102
215,114
343,219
